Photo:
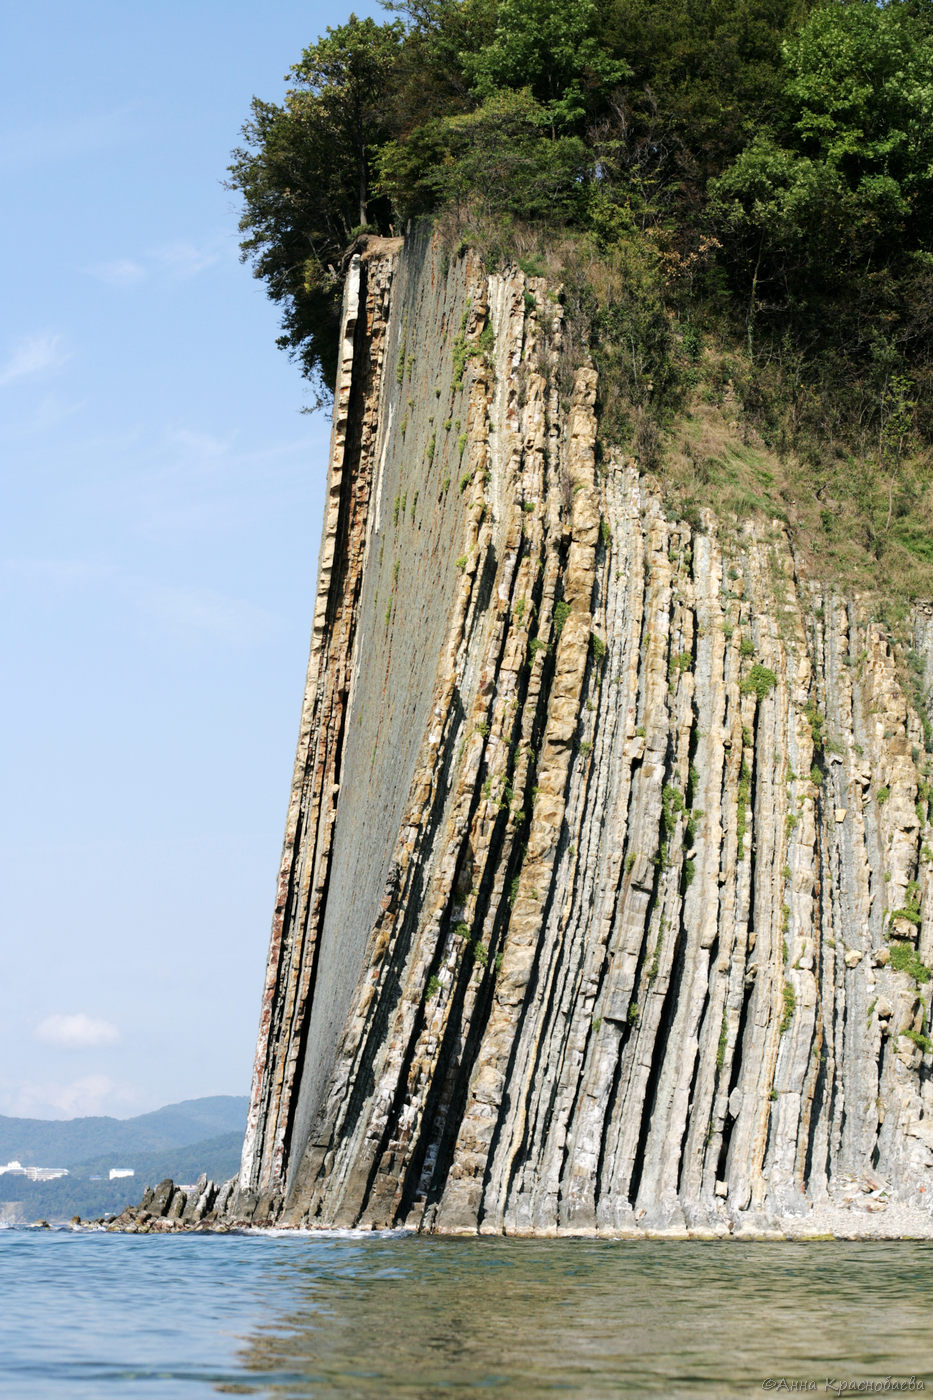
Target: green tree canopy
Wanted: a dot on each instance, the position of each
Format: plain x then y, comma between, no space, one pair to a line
305,175
501,156
840,185
860,85
343,85
773,157
551,47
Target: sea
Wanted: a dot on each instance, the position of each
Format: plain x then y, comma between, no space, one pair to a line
90,1315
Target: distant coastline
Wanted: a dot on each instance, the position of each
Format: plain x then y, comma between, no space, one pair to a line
101,1165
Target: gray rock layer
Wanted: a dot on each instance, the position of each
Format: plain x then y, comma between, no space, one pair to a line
605,888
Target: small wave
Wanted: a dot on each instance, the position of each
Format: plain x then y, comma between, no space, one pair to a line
22,1227
284,1232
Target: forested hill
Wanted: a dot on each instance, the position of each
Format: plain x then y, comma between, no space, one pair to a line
734,198
44,1143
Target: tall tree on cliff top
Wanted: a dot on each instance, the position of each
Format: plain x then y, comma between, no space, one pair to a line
343,84
551,47
305,174
841,186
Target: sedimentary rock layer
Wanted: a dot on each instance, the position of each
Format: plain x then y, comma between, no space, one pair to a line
604,896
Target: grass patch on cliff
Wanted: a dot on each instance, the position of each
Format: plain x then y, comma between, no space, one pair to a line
743,797
718,428
905,958
850,521
715,428
759,682
733,204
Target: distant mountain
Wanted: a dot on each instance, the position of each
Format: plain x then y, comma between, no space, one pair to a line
218,1156
78,1194
72,1142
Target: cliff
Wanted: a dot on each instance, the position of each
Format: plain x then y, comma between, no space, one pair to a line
605,894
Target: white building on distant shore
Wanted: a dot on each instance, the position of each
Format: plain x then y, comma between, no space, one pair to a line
33,1173
117,1172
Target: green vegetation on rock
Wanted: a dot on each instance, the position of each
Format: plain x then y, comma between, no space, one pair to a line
904,958
760,682
734,203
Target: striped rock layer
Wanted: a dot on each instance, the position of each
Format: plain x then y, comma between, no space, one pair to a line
604,900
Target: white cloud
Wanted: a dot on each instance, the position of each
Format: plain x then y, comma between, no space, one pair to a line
184,612
56,574
182,259
216,614
23,147
197,444
176,261
91,1094
37,354
122,272
76,1032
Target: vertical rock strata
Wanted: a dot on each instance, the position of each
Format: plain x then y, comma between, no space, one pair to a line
605,895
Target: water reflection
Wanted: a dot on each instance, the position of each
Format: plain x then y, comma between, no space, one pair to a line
420,1318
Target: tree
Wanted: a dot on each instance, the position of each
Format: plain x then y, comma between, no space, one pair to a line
345,79
551,47
860,83
844,188
501,158
707,75
305,174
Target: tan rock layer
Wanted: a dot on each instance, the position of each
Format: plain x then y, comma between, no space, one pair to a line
303,873
652,949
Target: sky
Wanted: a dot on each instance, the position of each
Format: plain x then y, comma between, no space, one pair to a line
162,497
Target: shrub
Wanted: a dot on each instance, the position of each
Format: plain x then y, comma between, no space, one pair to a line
904,958
743,797
723,1039
759,682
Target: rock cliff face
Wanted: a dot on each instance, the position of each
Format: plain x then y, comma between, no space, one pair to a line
606,888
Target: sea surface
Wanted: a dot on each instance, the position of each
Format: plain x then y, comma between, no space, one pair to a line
86,1316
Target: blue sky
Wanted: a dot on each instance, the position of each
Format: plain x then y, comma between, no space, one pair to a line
158,553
